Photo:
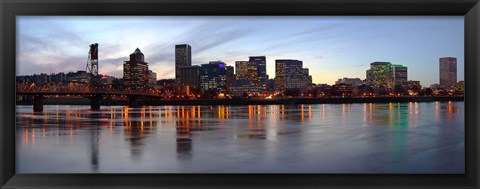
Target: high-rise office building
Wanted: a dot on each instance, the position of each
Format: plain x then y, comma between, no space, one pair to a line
261,63
247,78
448,72
279,75
245,70
386,75
135,71
230,76
255,71
190,76
183,57
213,76
294,77
290,74
378,76
399,75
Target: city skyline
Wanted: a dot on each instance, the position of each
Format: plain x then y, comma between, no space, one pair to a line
324,44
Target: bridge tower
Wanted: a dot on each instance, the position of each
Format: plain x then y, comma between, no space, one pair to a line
92,63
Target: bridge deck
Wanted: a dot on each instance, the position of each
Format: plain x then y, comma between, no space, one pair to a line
87,93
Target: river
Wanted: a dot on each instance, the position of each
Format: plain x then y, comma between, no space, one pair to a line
425,137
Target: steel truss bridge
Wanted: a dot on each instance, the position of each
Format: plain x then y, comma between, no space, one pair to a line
95,94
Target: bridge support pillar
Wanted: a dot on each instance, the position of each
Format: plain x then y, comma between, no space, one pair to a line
95,102
132,101
38,103
26,98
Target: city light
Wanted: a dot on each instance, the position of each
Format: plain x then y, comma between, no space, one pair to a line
216,80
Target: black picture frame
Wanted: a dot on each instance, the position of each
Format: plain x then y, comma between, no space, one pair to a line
11,8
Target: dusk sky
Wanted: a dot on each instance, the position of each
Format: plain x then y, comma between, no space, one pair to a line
332,47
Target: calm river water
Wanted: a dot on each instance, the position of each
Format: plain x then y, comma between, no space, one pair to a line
321,138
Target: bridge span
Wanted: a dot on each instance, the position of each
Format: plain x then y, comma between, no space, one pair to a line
94,96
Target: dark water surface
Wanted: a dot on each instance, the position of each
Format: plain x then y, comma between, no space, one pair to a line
322,138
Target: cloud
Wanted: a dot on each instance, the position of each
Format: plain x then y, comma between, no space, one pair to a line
316,30
45,51
60,44
214,34
163,72
112,66
308,39
161,55
204,37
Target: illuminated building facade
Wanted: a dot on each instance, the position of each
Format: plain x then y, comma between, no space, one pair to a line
399,75
247,77
261,66
293,74
448,72
135,71
355,82
246,71
77,77
241,87
290,74
106,80
213,76
379,75
460,87
279,75
414,87
414,84
294,77
241,68
386,75
183,58
342,89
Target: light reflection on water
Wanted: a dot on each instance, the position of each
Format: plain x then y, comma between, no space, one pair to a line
323,138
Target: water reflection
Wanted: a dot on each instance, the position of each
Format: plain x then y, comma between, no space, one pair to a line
94,146
397,131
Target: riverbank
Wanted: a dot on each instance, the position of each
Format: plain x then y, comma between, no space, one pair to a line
303,101
86,101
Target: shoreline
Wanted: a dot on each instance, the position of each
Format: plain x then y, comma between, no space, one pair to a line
284,101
